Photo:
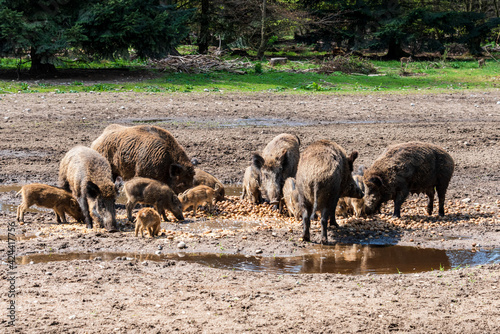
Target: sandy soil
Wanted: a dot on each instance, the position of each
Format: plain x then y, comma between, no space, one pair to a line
139,295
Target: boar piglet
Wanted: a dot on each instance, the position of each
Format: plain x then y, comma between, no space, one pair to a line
88,176
147,218
291,198
146,151
197,196
148,191
203,178
323,176
60,200
278,162
349,205
413,167
251,185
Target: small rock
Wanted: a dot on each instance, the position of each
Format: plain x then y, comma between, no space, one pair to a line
274,234
129,258
160,247
39,234
48,273
413,104
258,251
466,200
71,317
145,263
206,90
158,252
473,245
98,258
181,245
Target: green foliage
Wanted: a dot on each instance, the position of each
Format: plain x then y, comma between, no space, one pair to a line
258,68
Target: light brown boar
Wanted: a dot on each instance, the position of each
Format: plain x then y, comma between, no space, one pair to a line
278,162
349,205
60,200
291,198
87,174
203,178
197,196
323,176
146,151
412,167
251,185
148,218
152,192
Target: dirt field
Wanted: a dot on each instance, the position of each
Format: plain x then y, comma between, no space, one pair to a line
140,294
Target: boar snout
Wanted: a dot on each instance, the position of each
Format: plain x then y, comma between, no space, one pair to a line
104,212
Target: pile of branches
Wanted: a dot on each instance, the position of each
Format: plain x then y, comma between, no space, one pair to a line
347,64
199,64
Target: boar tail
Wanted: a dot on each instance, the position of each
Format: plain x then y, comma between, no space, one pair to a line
315,205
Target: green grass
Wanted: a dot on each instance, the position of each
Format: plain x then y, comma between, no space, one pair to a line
436,76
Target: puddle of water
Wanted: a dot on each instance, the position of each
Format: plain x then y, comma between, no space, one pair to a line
223,123
344,259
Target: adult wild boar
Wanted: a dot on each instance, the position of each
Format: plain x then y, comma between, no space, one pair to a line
203,178
251,185
146,151
152,192
406,168
88,176
60,200
323,176
278,162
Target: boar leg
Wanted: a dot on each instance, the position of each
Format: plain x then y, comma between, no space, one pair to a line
137,225
161,211
60,215
85,209
306,223
129,207
20,211
398,201
430,201
441,190
325,217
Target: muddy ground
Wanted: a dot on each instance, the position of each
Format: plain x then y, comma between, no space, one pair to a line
138,294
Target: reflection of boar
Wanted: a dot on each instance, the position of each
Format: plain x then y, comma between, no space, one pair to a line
408,168
49,197
207,179
197,196
291,197
278,162
146,151
149,219
323,176
88,176
152,192
251,185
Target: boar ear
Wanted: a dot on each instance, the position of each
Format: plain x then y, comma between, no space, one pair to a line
351,159
257,160
284,159
92,190
376,180
176,170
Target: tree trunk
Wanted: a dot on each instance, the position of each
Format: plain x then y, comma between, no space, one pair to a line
204,36
395,52
38,68
262,47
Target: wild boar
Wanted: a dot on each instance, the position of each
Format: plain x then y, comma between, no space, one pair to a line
323,176
149,219
152,192
207,179
251,185
196,196
87,174
278,162
412,167
291,198
60,200
349,205
146,151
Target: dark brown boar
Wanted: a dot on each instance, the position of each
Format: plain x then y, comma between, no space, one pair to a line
152,192
197,196
149,219
87,174
203,178
251,185
323,176
146,151
402,169
60,200
291,198
278,162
